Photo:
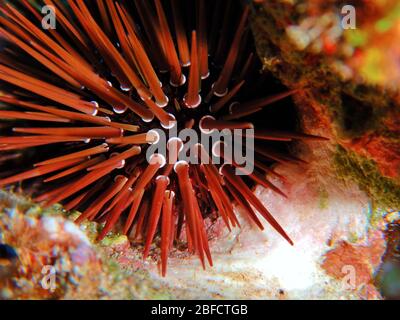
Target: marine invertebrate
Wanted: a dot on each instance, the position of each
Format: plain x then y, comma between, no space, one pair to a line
113,75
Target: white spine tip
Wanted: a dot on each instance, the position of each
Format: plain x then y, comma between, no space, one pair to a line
180,164
119,177
216,149
177,141
157,158
125,88
182,82
120,109
221,168
170,193
121,164
221,94
163,104
152,137
232,106
96,108
194,105
163,178
138,148
203,77
148,120
201,127
171,124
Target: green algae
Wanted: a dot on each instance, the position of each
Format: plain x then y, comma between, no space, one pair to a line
384,191
387,22
114,239
357,37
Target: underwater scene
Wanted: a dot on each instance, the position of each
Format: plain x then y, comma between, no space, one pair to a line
199,150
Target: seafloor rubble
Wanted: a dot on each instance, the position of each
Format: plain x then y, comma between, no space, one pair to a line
342,206
48,242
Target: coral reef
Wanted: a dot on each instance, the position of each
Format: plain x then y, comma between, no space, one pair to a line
56,259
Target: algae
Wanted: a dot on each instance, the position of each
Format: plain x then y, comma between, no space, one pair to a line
384,191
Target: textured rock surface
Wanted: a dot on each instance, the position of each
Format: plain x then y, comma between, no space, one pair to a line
56,259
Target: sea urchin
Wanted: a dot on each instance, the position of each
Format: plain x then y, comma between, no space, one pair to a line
94,93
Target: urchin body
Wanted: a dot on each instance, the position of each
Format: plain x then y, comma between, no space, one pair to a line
100,88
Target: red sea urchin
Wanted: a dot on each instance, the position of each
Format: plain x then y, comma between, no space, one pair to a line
145,70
